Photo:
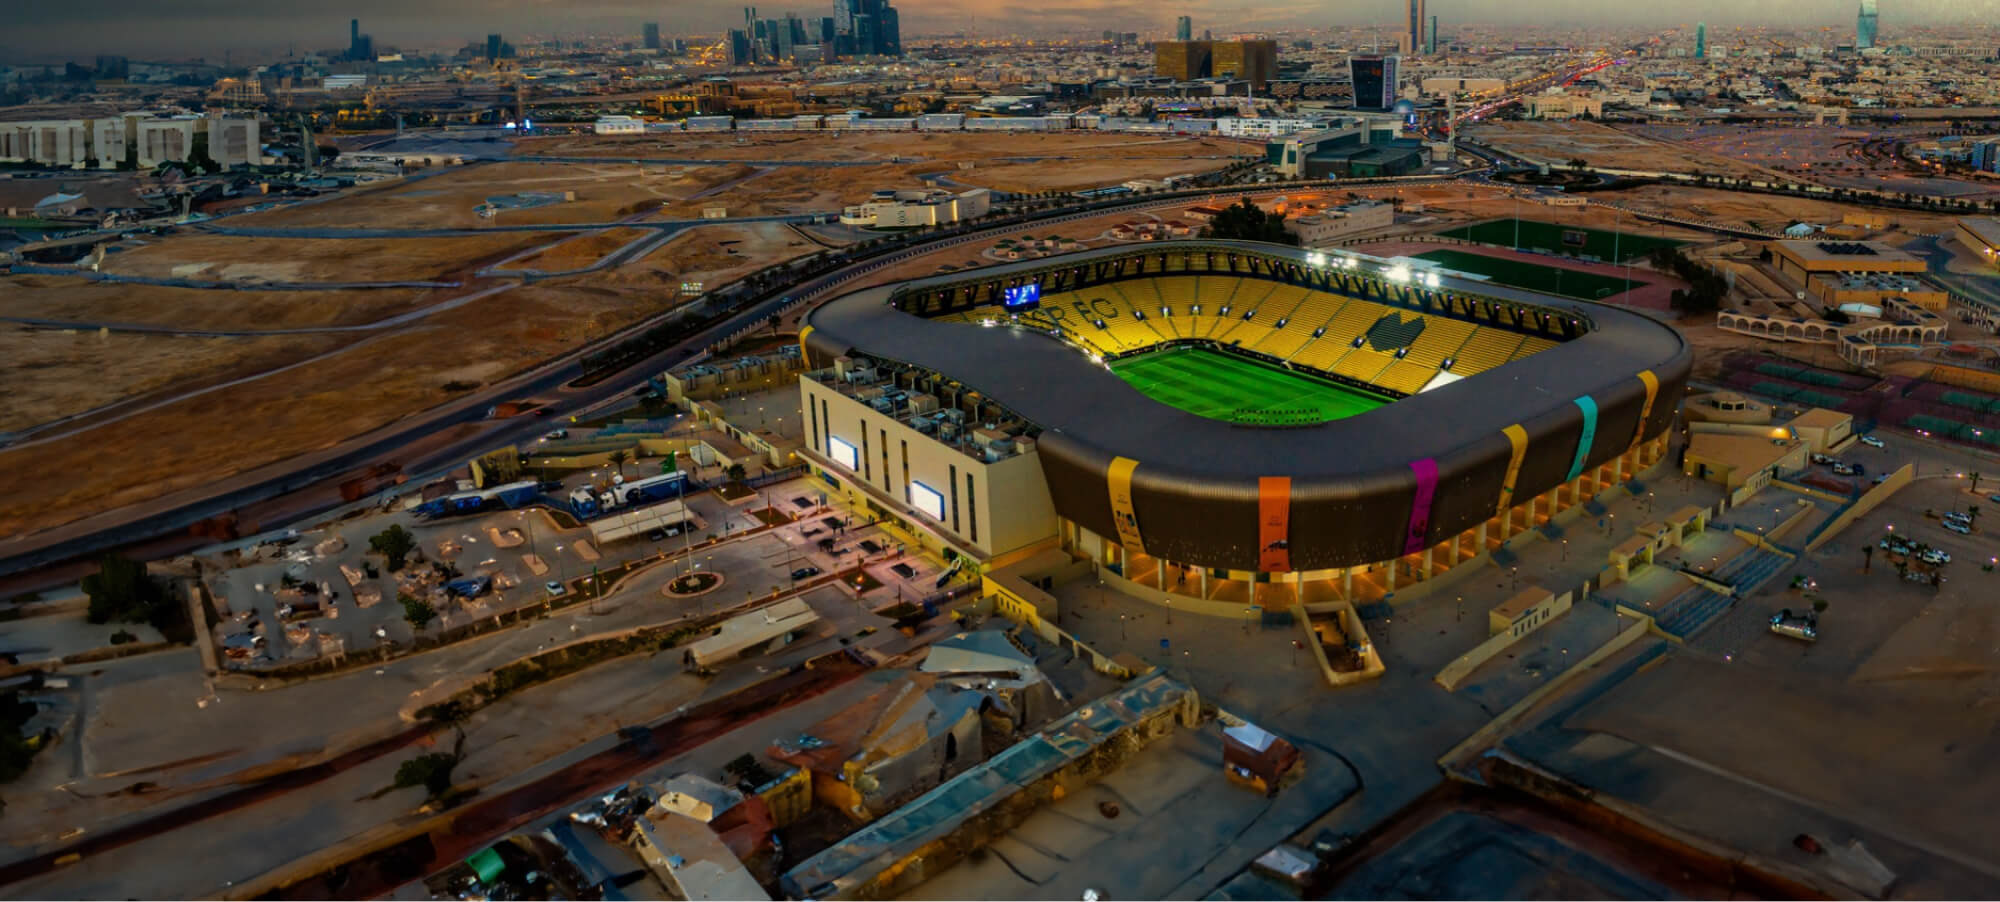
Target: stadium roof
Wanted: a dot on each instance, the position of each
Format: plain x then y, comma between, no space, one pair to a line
1056,387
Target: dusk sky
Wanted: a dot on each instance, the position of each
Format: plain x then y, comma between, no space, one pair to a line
46,30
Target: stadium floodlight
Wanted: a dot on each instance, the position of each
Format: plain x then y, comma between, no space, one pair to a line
1399,274
1431,279
1315,259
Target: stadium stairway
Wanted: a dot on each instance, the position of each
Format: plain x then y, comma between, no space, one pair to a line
1687,613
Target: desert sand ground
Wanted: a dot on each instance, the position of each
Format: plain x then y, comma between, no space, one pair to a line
604,192
1602,145
194,255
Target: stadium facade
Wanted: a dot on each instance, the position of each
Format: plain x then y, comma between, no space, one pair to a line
981,413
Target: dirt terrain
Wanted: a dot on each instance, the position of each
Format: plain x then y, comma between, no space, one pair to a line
1772,212
195,255
353,381
604,192
43,367
76,300
1600,145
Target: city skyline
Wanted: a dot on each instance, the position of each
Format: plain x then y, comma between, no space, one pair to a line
54,32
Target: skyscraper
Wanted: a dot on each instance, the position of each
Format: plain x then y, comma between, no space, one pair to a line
1253,61
1374,81
867,28
739,47
1182,60
652,32
1431,40
1184,28
889,30
492,47
1864,26
1701,40
1413,30
360,47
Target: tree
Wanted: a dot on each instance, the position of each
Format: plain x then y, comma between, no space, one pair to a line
1867,558
394,544
1245,221
121,589
735,472
417,611
432,771
618,459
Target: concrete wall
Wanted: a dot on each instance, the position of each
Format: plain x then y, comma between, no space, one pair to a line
1866,503
1464,665
1965,377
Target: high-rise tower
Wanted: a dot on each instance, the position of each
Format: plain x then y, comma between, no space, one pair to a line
1184,28
1864,26
1701,40
1413,30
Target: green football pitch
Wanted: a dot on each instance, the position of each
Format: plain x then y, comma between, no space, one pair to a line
1569,283
1548,237
1224,387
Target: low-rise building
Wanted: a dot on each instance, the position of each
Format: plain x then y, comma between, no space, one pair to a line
1337,224
918,209
618,125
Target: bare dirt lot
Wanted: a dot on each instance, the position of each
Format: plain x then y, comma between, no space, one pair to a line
1602,145
604,192
579,251
364,379
77,300
43,367
195,255
1002,161
1769,212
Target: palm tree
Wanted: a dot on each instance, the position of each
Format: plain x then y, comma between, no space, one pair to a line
1867,558
618,459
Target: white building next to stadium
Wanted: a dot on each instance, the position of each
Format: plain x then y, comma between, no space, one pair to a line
619,125
916,209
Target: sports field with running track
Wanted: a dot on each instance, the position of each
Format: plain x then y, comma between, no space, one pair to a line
1224,387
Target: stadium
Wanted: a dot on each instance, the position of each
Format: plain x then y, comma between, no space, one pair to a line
1231,421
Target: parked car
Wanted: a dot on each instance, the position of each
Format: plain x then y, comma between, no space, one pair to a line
1803,625
1963,528
556,435
1840,469
1872,442
556,589
805,573
1957,517
1822,459
655,534
1935,556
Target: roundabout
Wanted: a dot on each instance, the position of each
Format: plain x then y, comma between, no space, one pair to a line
691,584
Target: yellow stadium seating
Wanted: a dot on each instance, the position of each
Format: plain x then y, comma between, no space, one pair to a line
1406,377
1140,324
1363,363
1441,338
1486,349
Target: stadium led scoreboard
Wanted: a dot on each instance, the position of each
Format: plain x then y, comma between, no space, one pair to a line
1022,297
